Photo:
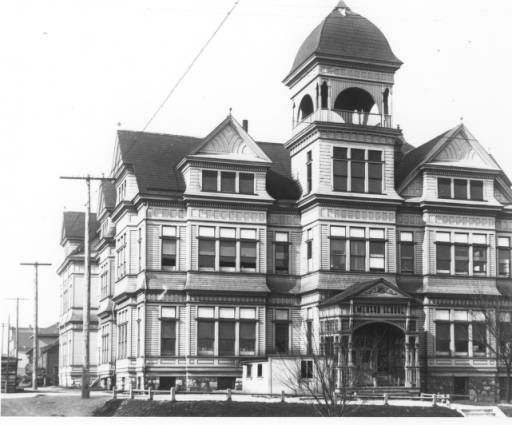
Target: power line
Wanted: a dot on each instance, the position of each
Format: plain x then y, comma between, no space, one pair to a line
190,66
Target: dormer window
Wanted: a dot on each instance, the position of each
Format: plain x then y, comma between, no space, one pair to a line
448,188
227,182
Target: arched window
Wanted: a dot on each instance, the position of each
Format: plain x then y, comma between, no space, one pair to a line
354,99
306,107
324,93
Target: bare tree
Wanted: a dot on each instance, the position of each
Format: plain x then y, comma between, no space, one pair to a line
495,335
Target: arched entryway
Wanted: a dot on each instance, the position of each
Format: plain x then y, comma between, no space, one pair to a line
378,355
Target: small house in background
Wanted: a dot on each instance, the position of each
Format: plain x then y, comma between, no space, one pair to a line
48,355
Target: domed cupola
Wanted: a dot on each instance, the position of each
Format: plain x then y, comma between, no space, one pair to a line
343,73
349,37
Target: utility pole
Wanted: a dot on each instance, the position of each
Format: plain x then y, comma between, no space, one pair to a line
3,337
35,343
18,299
87,284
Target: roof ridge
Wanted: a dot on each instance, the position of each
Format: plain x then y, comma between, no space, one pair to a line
159,134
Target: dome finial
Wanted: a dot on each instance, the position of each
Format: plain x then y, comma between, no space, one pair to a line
342,7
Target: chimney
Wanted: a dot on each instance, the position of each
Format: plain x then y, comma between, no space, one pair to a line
245,125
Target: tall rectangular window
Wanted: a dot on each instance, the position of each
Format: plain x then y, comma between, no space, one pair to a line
476,189
209,181
281,331
444,188
246,183
461,337
306,369
309,249
461,253
227,182
206,248
443,252
247,338
374,171
479,330
406,252
205,337
357,249
168,338
168,247
281,249
503,257
377,250
226,338
338,245
460,189
248,250
227,255
443,337
340,169
309,172
122,334
479,255
357,170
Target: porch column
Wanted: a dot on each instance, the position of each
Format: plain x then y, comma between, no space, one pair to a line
350,361
417,360
407,365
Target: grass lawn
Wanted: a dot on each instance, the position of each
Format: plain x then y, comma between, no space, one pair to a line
233,408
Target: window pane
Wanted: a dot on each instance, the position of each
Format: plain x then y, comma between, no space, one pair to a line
227,233
442,337
247,313
376,233
281,260
504,241
169,231
479,259
168,247
377,250
248,234
375,156
226,338
208,232
442,315
407,257
227,182
168,311
281,337
461,259
246,183
442,237
281,314
479,337
357,255
460,238
479,239
281,237
247,338
227,256
357,154
443,258
338,231
444,188
210,181
248,255
340,175
461,315
205,312
338,257
205,338
461,337
504,262
227,313
168,329
358,176
460,189
356,232
406,236
339,153
374,178
477,190
206,254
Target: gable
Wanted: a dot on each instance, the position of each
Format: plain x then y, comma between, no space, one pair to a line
461,152
230,141
381,290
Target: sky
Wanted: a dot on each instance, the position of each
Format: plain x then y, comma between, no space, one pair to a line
73,72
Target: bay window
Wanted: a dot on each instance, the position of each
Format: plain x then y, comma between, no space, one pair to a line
227,257
206,243
461,253
205,331
122,334
248,250
448,188
281,253
338,245
226,338
247,338
357,249
461,337
377,250
479,255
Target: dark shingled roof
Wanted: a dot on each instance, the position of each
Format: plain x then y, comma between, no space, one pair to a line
154,158
73,225
413,158
347,37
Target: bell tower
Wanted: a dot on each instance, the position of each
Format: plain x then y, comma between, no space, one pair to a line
343,73
344,141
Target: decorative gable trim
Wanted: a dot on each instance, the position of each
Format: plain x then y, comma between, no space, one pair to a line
229,139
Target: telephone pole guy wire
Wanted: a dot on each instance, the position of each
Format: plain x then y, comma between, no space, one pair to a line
190,66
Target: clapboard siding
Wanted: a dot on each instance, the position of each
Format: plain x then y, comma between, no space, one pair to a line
418,251
295,252
296,334
270,251
325,247
391,250
193,247
182,248
133,252
260,311
152,330
153,246
182,326
269,330
262,252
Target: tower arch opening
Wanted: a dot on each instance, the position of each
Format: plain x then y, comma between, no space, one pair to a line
306,107
324,93
354,99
